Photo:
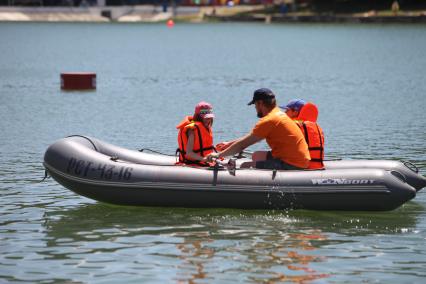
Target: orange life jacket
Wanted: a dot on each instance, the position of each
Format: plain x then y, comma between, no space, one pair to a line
313,133
309,112
203,140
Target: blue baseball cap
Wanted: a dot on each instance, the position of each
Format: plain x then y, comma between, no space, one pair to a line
295,104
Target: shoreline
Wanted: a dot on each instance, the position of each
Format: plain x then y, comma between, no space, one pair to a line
95,14
154,14
278,18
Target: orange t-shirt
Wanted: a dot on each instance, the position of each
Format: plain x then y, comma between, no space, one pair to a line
284,137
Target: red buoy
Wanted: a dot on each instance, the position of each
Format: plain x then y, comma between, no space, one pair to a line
170,23
78,81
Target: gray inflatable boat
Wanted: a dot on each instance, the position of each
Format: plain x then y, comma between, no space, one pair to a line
116,175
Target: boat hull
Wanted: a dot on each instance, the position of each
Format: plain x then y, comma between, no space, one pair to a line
119,176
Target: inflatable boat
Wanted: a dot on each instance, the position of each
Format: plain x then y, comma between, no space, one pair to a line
111,174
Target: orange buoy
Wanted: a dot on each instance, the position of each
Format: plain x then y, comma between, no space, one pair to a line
78,81
170,23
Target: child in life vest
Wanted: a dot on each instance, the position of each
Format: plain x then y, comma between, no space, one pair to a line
195,137
305,115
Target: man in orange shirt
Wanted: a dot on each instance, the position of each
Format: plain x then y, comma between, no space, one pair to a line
289,150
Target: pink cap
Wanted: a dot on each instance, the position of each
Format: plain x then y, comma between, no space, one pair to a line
204,110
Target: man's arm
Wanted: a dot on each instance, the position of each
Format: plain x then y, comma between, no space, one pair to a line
238,146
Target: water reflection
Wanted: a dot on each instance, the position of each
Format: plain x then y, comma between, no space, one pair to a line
289,258
194,253
197,245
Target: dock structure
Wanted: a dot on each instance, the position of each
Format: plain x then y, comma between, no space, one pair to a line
100,11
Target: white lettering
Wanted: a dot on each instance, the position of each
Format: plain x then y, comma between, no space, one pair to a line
329,181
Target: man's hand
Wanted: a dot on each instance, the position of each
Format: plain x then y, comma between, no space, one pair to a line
223,145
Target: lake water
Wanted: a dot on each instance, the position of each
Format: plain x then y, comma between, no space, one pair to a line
368,81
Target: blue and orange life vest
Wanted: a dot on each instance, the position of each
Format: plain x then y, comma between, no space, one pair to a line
203,140
313,134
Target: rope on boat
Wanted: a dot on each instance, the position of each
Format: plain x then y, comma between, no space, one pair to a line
46,176
87,138
156,152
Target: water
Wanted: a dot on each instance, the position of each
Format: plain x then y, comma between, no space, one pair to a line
368,81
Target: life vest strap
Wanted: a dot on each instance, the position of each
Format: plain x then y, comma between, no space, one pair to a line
321,144
317,148
200,140
306,132
198,163
182,146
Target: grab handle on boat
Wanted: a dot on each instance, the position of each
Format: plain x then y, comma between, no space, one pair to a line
411,166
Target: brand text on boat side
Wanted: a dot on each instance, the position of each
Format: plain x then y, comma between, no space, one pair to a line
327,181
99,170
